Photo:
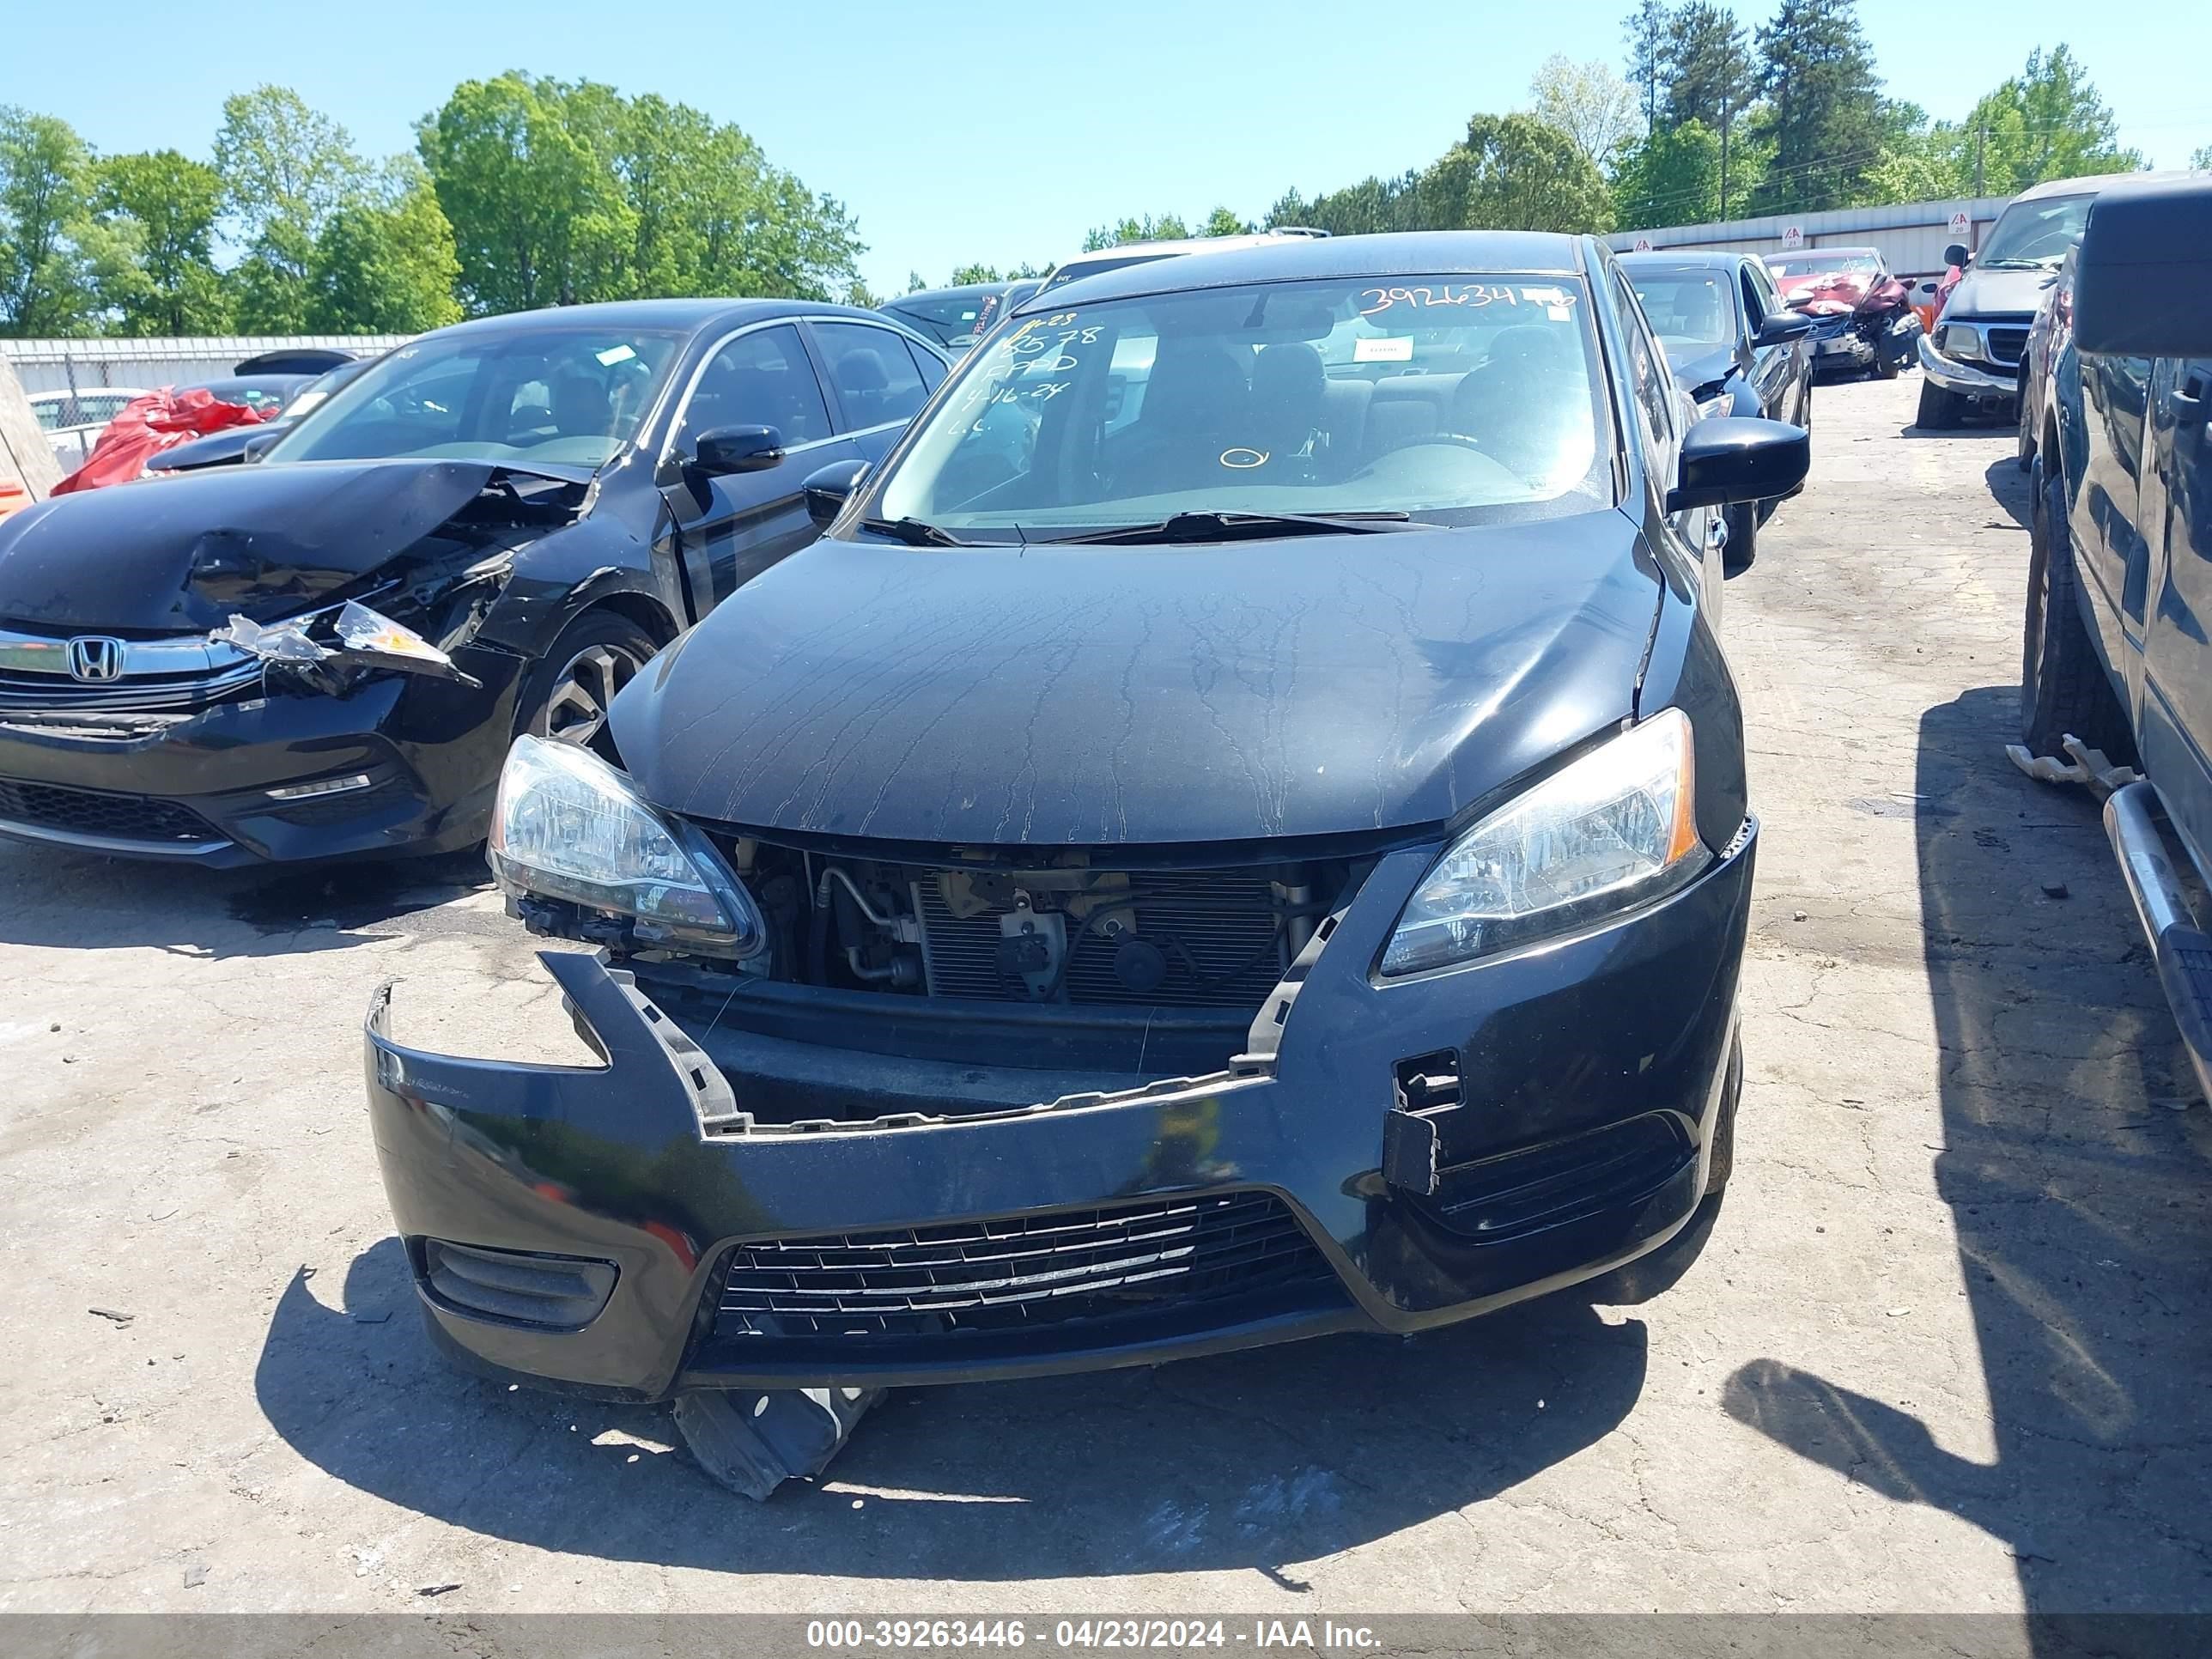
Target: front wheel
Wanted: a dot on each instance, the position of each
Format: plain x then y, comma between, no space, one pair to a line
1940,410
569,690
2063,688
2024,449
1886,359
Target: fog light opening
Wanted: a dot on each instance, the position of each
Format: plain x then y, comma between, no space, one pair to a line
321,786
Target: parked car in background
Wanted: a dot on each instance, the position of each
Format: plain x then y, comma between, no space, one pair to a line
1863,315
1734,346
234,444
73,420
327,653
1268,859
2117,647
1974,360
1137,254
949,315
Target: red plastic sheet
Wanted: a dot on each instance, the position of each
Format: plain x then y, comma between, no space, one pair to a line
148,425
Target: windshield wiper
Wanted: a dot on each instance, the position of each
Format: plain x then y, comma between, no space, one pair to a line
913,532
1246,527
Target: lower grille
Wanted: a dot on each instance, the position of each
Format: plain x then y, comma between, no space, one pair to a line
2006,345
90,812
1526,1192
1220,933
1165,1256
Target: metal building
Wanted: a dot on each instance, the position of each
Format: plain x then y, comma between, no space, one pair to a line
146,364
1911,236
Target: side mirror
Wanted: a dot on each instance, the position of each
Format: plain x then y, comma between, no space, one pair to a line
1730,458
828,490
726,449
259,445
1782,327
2141,270
1957,254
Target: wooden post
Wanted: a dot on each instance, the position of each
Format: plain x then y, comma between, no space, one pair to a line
27,455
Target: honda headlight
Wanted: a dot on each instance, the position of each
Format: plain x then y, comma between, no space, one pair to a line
1609,830
570,826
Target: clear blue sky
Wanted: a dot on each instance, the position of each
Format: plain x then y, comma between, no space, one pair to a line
1002,133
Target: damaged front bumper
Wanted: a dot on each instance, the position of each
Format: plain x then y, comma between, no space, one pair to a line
270,771
631,1231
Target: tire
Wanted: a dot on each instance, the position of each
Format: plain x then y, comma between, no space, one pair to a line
1940,410
1742,520
2025,454
565,698
2063,689
1885,360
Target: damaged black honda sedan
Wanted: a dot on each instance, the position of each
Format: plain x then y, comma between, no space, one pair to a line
326,654
1238,830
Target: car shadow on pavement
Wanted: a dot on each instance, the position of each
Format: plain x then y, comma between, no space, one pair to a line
2077,1165
1262,1460
59,898
2010,490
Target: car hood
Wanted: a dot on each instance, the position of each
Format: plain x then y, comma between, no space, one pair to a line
1700,366
186,553
1998,293
1104,695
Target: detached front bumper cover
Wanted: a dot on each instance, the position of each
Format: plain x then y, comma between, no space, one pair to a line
1968,379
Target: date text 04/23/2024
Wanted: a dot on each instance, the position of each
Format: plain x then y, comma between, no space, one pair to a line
1156,1635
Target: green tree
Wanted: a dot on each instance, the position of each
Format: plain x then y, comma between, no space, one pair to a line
963,275
1672,177
286,169
1707,61
1823,110
1223,222
1515,173
538,216
2201,158
1646,29
1168,227
172,202
1370,206
386,265
2047,122
51,251
1588,102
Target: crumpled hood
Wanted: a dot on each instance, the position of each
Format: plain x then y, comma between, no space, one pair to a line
184,554
1099,695
1998,293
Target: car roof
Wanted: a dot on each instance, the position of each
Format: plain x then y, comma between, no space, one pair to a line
687,314
1839,249
960,291
1670,258
1298,258
2091,184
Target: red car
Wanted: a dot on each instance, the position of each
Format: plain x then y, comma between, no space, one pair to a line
1863,314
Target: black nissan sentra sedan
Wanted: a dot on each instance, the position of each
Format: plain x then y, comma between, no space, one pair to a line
325,654
1238,830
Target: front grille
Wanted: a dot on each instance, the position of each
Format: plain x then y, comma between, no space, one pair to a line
1160,1256
141,693
1220,934
2006,345
90,812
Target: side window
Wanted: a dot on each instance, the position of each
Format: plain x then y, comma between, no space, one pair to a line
1645,368
876,379
932,371
761,379
1770,297
1755,303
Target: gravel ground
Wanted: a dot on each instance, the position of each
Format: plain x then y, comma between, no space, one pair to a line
1937,1353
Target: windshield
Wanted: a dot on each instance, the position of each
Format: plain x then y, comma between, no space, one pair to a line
2036,233
553,394
943,317
1859,262
1457,400
1686,308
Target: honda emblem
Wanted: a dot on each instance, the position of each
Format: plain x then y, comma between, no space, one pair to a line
95,658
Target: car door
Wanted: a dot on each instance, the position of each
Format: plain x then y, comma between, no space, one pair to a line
2104,474
876,378
1784,371
727,530
2174,514
1768,367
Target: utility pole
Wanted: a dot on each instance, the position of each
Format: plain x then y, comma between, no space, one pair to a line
1981,144
1724,132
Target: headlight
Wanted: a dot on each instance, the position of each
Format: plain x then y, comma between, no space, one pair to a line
1958,340
1715,404
570,826
1609,830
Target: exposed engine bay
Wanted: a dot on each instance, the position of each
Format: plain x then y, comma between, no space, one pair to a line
1061,930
